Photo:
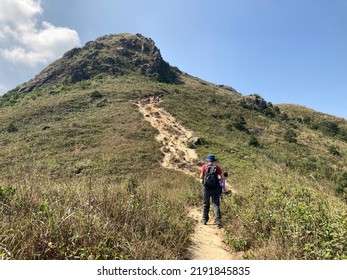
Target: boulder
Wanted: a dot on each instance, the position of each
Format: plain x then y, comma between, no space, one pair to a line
193,142
256,101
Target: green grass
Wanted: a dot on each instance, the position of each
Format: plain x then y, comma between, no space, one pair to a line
64,190
281,216
81,175
287,205
93,219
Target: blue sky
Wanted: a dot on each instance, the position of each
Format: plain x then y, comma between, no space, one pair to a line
288,51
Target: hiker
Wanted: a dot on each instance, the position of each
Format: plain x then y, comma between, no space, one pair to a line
223,182
210,175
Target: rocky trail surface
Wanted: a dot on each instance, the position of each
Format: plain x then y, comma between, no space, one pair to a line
207,240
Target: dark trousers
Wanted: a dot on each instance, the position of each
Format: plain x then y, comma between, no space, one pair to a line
213,195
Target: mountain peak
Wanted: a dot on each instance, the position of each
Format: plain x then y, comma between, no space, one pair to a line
116,54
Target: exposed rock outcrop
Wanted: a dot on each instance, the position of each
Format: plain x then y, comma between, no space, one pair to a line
256,101
194,142
111,54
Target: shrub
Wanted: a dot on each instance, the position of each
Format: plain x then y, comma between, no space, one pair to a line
284,117
334,150
308,164
229,126
243,103
132,184
11,128
253,141
290,136
343,135
341,188
292,220
269,112
212,100
6,192
240,124
329,127
96,95
307,120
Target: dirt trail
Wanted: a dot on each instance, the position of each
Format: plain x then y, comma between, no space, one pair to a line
173,137
207,240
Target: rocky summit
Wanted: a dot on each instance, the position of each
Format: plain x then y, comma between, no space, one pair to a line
110,54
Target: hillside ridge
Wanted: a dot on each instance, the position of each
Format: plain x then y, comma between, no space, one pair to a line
115,55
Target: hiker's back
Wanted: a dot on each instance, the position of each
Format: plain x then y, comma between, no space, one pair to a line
211,180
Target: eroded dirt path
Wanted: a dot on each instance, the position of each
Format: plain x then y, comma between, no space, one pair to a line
173,138
207,239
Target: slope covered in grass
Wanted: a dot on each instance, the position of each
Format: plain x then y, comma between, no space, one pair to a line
288,173
81,177
81,174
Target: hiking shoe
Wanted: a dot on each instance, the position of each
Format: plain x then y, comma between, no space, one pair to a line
218,223
203,221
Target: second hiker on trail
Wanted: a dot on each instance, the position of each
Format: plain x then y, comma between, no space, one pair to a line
210,175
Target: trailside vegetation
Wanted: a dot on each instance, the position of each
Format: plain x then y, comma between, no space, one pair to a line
288,177
81,174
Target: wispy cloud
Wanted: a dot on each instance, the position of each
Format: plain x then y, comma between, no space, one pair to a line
28,40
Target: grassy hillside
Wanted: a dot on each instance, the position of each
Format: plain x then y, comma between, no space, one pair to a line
81,177
80,173
289,173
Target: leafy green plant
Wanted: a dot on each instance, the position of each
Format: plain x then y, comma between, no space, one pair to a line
301,224
132,184
239,243
6,192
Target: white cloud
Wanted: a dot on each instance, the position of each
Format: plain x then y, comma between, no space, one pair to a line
23,9
28,40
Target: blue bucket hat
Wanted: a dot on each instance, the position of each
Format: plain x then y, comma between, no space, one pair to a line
211,158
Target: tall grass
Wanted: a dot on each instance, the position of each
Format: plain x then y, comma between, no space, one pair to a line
285,206
282,216
93,219
81,176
